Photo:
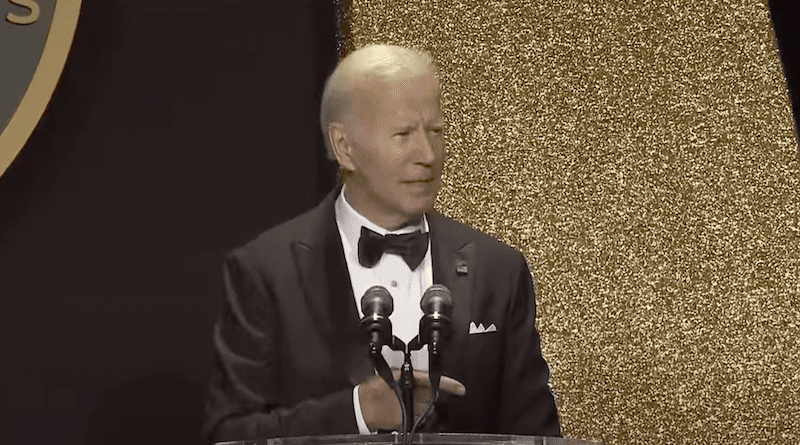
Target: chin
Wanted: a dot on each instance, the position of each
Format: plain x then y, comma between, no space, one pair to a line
419,206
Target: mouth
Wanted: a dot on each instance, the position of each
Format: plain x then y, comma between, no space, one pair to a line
421,187
419,181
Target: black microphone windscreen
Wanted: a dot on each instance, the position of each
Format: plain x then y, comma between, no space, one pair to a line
437,298
377,300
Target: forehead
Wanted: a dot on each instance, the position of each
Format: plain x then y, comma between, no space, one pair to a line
410,96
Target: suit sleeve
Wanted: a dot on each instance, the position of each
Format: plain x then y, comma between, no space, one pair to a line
527,404
244,400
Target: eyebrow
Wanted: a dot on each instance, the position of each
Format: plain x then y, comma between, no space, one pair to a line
403,122
406,126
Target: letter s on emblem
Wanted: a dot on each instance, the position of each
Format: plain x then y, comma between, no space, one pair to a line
24,19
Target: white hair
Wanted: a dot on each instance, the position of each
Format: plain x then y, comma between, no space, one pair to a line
361,67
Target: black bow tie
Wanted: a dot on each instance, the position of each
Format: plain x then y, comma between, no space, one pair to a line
410,246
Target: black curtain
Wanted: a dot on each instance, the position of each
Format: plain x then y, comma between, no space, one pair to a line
179,130
785,18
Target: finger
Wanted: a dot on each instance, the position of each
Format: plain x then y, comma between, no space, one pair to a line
420,409
379,405
446,384
422,396
421,405
452,386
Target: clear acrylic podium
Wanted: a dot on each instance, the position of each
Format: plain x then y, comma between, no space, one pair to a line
418,439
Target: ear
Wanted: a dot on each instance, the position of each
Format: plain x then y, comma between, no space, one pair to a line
341,145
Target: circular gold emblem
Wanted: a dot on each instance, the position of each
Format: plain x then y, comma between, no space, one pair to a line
35,38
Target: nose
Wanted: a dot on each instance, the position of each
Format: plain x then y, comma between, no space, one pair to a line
425,148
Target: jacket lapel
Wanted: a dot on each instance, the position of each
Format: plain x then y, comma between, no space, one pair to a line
453,260
328,291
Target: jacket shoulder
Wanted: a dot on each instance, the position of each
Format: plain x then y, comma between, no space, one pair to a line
275,243
489,246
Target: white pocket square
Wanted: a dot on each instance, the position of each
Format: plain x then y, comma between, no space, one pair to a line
479,329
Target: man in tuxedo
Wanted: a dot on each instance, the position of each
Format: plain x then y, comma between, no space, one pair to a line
290,356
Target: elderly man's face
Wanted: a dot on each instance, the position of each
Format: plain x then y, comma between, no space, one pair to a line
398,149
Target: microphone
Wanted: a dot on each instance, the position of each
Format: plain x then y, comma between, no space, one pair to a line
377,305
434,327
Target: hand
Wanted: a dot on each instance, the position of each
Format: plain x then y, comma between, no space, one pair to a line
380,407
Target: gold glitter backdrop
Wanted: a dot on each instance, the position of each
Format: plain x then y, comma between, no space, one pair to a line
642,155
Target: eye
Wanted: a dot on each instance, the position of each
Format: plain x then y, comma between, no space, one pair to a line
437,130
402,133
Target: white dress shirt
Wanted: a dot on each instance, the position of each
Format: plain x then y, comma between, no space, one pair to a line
392,272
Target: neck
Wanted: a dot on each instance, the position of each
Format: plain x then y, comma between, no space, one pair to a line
388,222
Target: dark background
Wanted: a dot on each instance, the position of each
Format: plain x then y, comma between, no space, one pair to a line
786,23
180,129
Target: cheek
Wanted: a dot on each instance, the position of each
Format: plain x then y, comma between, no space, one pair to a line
386,164
371,165
396,151
381,174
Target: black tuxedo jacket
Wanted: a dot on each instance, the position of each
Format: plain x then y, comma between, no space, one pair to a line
289,348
